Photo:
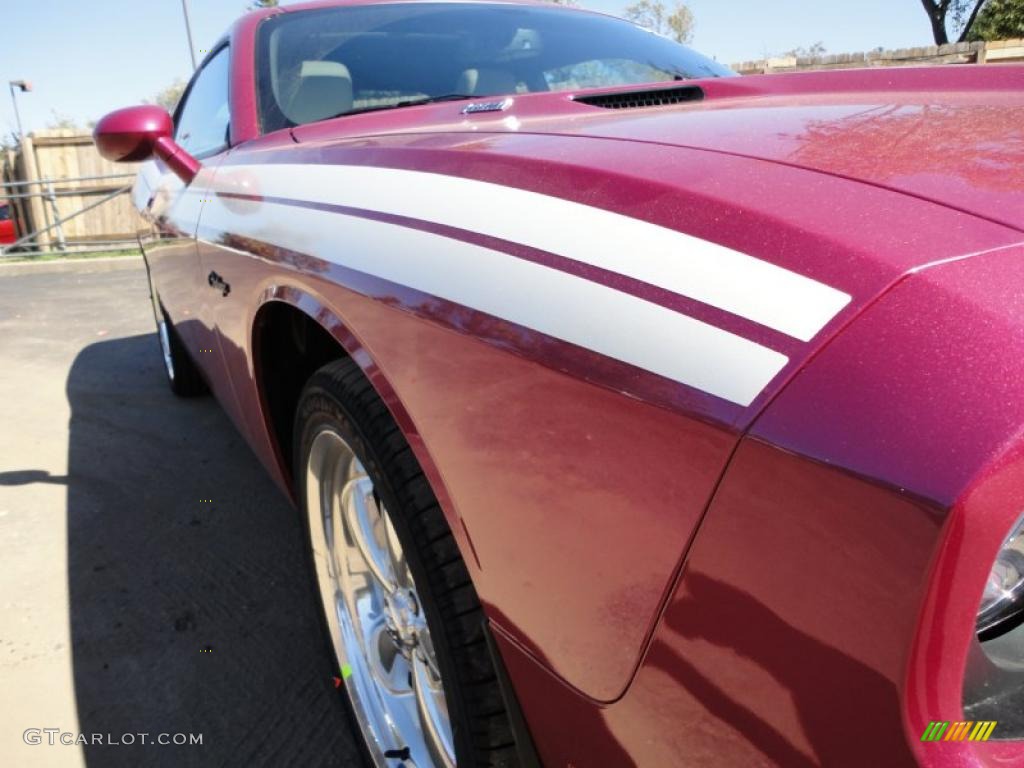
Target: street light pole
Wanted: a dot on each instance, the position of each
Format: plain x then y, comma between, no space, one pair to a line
24,86
188,31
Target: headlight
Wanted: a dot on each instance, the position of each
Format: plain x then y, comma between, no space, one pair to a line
1002,604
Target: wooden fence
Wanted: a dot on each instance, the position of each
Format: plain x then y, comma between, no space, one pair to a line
66,164
997,52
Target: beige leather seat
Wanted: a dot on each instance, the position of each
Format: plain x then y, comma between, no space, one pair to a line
486,82
325,89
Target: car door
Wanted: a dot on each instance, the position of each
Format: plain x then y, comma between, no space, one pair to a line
202,128
164,201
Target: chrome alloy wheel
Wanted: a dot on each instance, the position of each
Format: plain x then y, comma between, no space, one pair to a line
374,613
165,347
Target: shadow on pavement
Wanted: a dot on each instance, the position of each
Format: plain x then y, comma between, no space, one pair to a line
29,476
187,616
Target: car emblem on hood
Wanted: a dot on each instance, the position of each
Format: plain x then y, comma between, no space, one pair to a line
487,106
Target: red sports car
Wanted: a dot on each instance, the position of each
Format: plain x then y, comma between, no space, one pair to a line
7,233
641,414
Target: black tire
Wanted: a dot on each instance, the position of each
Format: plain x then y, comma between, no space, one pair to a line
339,395
182,374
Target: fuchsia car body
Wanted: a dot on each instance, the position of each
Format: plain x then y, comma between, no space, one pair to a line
728,421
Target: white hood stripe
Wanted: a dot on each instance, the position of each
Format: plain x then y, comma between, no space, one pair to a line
688,266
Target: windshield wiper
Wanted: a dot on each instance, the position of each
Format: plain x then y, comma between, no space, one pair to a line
406,103
432,99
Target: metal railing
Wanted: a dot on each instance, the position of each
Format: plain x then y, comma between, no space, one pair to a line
48,191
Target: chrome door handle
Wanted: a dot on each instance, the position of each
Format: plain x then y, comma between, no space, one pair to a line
218,282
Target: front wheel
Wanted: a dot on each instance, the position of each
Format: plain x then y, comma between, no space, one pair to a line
400,613
183,375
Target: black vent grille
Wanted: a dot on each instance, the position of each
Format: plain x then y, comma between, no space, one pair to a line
650,97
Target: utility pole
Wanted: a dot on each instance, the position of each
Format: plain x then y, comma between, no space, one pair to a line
188,31
24,86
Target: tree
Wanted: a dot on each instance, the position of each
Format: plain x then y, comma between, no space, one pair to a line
817,49
655,15
61,122
957,16
570,3
999,20
255,5
169,97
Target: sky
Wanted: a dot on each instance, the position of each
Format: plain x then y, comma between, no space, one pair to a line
87,57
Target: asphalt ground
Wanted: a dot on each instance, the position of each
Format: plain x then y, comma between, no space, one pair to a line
127,604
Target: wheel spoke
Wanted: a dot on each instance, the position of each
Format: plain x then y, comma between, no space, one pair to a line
395,554
364,522
433,713
426,650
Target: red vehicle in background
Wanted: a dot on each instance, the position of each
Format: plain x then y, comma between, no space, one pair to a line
641,414
7,233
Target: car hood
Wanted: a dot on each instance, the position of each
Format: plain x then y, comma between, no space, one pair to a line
964,149
953,135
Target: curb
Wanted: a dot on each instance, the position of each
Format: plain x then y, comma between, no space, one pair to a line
70,265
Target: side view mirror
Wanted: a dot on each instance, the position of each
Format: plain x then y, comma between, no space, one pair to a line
138,133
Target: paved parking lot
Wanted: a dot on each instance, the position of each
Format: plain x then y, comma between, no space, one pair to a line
128,605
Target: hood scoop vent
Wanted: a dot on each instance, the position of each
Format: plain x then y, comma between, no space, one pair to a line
647,97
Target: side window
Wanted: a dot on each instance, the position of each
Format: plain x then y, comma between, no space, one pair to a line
205,116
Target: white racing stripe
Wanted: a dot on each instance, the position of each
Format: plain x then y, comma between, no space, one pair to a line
570,308
707,272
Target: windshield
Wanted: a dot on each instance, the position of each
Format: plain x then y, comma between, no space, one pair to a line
313,65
